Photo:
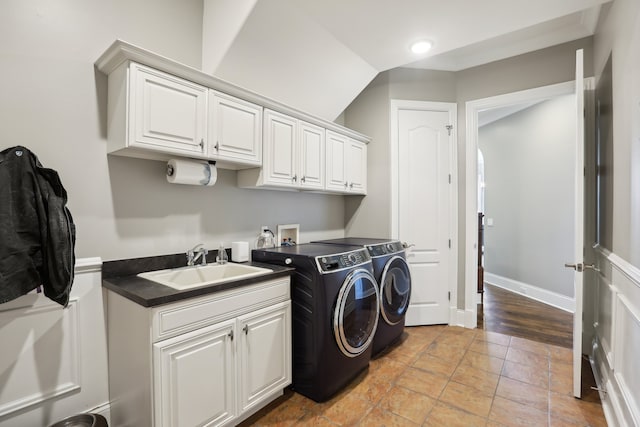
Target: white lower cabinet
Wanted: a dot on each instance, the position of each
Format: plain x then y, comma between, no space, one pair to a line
213,360
194,377
264,354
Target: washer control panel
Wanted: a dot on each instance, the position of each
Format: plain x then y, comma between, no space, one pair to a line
330,263
385,248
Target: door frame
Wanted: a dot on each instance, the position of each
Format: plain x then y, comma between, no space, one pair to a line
452,109
471,150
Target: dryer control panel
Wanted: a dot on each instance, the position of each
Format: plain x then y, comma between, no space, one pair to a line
388,248
337,262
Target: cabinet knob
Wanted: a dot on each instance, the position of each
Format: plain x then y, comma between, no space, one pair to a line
295,178
303,179
201,143
346,185
230,334
246,329
351,185
217,146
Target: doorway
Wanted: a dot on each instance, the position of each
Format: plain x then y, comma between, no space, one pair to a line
474,110
526,195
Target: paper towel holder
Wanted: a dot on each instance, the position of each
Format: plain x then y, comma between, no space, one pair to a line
170,170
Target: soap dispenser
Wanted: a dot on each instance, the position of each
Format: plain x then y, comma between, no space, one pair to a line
221,258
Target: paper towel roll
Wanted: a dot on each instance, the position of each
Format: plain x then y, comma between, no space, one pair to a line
191,172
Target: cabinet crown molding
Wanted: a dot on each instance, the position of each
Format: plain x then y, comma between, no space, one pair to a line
121,51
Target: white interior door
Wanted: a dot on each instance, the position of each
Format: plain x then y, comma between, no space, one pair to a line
424,209
579,227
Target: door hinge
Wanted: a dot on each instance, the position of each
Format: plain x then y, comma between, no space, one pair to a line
449,127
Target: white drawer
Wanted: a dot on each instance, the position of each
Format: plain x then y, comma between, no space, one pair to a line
188,315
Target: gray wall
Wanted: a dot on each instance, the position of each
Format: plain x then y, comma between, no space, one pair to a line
529,194
54,102
369,114
618,35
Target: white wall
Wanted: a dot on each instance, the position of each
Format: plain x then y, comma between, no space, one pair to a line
313,71
529,195
53,101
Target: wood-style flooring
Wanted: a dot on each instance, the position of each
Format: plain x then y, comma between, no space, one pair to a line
508,313
512,314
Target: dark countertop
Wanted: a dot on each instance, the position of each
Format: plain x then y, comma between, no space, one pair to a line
121,278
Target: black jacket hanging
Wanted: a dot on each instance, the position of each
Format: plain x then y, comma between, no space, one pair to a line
37,234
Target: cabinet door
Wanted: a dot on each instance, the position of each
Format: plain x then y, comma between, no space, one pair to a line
357,167
235,132
311,156
194,378
336,151
264,353
166,113
279,162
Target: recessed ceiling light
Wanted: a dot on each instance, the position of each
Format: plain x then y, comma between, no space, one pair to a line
421,46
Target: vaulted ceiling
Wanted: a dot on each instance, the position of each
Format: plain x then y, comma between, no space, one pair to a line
318,55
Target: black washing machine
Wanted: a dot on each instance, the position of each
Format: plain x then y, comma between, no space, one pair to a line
335,310
391,270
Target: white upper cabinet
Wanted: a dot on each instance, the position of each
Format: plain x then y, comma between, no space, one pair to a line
293,155
166,113
311,157
235,130
357,167
159,109
280,143
346,168
155,115
336,163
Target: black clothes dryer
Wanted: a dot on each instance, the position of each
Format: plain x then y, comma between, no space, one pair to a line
335,311
391,270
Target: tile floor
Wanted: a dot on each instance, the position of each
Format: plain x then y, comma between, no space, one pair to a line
450,376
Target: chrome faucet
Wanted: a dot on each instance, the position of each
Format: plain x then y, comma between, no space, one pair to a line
198,251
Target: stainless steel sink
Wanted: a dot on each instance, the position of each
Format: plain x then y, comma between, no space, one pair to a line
203,275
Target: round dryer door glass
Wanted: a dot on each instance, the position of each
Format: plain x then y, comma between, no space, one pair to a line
356,314
395,290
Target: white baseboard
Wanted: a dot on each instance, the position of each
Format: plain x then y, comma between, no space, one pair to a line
456,317
545,296
463,318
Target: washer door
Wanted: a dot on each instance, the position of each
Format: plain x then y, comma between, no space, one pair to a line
357,309
395,290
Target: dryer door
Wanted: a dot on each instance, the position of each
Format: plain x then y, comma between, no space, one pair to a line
357,309
395,290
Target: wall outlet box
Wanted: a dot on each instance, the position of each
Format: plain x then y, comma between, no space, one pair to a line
288,234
